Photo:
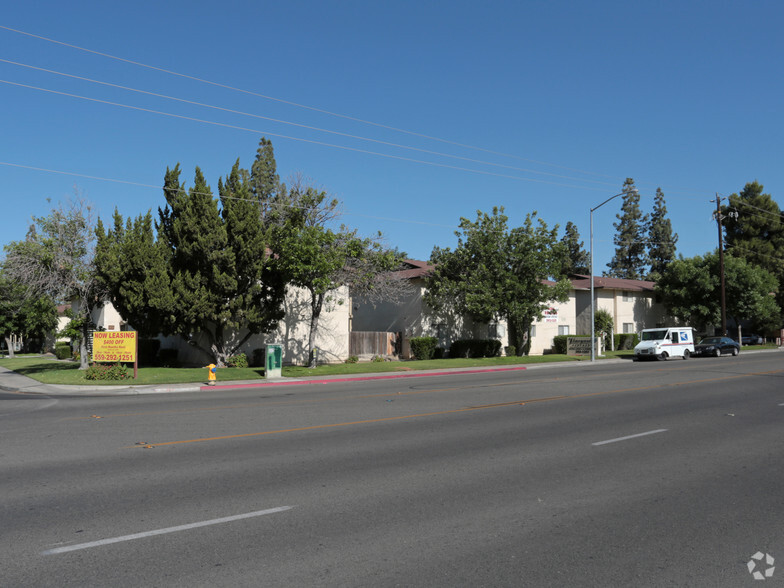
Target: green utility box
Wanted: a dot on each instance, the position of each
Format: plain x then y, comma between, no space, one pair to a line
274,363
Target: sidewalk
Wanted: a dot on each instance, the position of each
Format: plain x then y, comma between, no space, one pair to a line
13,382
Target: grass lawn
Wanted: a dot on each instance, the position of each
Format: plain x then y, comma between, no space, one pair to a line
51,371
67,373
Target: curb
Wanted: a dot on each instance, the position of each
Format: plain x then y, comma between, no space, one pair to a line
359,378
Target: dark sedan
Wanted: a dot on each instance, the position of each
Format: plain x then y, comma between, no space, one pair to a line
717,346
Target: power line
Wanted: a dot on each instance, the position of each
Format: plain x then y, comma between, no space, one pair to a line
290,103
308,127
310,141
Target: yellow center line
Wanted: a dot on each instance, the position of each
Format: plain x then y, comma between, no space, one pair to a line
452,411
295,429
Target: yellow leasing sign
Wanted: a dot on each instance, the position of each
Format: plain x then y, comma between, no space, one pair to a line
114,346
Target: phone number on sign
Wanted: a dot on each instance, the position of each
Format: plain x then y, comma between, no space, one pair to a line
112,357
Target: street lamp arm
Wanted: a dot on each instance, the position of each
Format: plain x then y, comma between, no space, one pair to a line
593,297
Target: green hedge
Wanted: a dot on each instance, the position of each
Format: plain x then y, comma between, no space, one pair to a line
423,347
475,348
62,350
626,341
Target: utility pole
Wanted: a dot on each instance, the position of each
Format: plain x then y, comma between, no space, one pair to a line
718,216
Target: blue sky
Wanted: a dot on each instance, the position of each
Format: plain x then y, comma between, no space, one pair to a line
544,106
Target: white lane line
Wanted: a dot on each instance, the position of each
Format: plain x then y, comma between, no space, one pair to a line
248,515
629,437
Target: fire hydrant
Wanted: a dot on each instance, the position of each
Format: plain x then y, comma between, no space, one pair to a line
212,375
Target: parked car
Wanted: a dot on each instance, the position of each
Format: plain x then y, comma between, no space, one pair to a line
717,346
751,339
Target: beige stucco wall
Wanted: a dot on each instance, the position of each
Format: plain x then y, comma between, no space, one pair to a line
332,338
412,317
547,328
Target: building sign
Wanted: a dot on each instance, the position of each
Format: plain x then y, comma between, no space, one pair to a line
114,346
582,346
551,315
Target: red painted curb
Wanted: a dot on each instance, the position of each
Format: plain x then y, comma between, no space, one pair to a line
360,378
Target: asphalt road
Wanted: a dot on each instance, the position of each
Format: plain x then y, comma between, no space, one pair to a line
625,474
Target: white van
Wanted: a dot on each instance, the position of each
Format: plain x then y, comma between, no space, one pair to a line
665,342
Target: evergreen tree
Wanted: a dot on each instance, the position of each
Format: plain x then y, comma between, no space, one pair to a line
661,239
264,181
630,258
576,259
222,279
132,264
754,229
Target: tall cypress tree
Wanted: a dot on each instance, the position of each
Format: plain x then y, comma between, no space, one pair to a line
661,239
576,261
264,180
630,258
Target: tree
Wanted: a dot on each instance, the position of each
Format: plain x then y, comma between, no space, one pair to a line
661,239
133,266
689,289
630,257
23,316
497,273
321,260
264,180
754,229
56,259
222,279
603,325
576,261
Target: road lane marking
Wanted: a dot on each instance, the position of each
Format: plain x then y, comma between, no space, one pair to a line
146,534
629,437
521,402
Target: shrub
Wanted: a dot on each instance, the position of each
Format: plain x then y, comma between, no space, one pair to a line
62,350
510,350
105,371
438,353
378,359
559,344
423,347
626,341
168,357
475,348
237,361
352,359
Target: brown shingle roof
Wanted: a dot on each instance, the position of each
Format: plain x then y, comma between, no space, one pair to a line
583,282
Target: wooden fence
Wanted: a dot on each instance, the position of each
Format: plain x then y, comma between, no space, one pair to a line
374,343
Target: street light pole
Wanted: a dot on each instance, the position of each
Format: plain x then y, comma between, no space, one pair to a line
593,299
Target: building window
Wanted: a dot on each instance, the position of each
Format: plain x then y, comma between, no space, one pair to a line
626,296
563,329
495,331
628,327
533,331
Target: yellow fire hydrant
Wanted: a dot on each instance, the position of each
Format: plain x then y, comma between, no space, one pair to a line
212,375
